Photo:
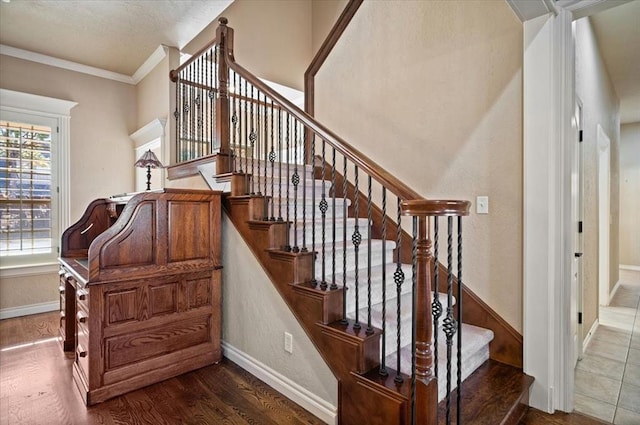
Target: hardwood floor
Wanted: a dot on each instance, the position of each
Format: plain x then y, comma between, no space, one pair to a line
36,388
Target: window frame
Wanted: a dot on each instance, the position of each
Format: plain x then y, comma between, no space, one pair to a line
55,113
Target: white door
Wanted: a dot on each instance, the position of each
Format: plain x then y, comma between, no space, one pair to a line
576,210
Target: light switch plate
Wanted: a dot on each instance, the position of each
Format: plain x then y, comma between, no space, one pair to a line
482,205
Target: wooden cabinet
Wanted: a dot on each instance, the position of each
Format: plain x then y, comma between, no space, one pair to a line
143,296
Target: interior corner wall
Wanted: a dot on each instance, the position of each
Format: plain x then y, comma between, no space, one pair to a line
630,194
272,38
600,106
101,151
152,95
248,293
432,91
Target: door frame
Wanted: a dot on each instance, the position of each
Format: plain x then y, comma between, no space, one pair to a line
548,103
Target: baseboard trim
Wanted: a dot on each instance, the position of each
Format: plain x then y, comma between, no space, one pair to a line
628,267
613,291
592,331
299,395
25,310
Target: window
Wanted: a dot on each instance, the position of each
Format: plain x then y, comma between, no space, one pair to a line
25,189
34,181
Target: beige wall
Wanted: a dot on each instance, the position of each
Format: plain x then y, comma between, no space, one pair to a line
324,13
101,151
152,94
630,194
272,38
432,91
256,318
600,106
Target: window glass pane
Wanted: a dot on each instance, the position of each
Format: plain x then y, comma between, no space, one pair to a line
25,189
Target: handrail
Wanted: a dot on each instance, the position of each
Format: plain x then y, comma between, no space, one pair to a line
354,155
173,74
429,208
322,54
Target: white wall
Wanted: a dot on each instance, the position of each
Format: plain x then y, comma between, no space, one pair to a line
600,107
630,194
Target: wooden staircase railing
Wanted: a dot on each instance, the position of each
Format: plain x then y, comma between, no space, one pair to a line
317,226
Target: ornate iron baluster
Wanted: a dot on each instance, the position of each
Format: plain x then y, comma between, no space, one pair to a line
280,164
288,141
414,309
313,206
356,239
436,306
398,278
459,318
383,367
344,320
176,115
234,120
265,137
245,138
272,160
304,188
449,323
324,206
333,220
369,225
252,142
295,180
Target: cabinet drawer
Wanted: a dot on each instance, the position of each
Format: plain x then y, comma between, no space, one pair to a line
82,297
82,359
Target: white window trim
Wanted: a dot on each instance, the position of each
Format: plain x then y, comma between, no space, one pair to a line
60,110
151,136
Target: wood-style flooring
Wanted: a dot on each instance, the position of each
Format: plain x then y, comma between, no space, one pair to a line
36,388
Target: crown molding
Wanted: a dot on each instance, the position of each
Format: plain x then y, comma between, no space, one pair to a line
64,64
152,61
149,132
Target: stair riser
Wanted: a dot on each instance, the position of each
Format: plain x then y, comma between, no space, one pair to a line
376,260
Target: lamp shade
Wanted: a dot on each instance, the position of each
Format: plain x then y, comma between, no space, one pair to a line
148,159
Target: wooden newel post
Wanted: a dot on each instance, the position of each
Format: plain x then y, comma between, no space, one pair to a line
426,382
224,35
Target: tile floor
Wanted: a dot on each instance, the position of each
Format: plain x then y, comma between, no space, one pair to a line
608,376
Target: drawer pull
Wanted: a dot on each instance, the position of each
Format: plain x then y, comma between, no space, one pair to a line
61,289
67,276
87,229
82,295
81,351
62,315
61,272
82,318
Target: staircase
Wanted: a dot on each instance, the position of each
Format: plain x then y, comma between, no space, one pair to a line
475,340
334,237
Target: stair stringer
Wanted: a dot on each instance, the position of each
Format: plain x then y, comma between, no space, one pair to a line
348,353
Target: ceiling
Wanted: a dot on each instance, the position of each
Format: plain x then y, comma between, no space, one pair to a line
618,34
114,35
101,34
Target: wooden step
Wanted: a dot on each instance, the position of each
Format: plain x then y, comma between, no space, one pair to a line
494,394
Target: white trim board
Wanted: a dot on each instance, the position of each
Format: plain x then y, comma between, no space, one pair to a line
628,267
26,310
299,395
154,59
590,334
